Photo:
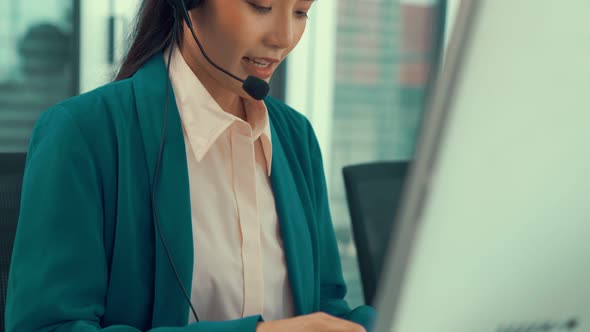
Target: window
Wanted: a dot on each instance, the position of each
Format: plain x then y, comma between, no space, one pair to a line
37,69
368,66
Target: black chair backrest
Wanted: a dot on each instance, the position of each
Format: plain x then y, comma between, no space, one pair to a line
373,192
12,167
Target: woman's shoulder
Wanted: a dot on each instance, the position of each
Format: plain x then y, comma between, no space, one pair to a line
99,110
96,117
99,102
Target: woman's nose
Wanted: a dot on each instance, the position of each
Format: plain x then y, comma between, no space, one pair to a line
281,34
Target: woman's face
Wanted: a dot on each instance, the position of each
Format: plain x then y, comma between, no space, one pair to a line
245,37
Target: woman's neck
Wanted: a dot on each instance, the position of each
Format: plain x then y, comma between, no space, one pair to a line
227,100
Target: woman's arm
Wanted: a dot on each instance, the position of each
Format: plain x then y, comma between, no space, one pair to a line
332,286
59,271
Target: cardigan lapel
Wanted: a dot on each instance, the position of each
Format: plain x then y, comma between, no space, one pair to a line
294,228
173,196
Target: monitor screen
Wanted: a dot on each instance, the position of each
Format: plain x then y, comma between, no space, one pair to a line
495,225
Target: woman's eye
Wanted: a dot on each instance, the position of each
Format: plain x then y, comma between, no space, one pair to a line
301,14
260,9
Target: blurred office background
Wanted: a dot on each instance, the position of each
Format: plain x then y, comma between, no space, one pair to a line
360,74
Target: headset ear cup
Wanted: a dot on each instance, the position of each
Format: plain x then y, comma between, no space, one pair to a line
191,4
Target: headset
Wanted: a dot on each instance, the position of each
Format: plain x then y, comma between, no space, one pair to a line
254,86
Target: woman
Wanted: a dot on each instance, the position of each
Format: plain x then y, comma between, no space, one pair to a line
173,199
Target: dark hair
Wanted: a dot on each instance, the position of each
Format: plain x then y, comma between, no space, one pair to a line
152,33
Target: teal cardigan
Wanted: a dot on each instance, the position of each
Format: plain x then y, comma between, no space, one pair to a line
86,256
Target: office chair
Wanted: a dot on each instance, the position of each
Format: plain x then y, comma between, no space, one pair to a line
373,192
12,167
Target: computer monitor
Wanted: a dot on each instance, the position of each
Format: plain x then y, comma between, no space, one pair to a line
494,229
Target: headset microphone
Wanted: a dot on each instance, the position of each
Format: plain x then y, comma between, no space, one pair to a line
254,86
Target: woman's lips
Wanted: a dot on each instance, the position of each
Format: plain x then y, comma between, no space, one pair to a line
260,72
